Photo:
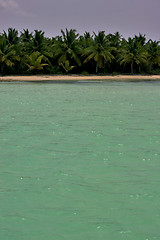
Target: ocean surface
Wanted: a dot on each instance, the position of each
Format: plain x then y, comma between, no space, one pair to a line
80,161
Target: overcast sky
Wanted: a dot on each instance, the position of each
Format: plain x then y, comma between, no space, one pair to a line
129,17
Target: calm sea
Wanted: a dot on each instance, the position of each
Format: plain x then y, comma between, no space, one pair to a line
80,161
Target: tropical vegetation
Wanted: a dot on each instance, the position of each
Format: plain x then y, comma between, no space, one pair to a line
33,53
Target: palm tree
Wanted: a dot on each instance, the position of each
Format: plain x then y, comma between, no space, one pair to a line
153,50
66,48
41,44
86,40
114,39
11,37
38,41
26,36
100,51
34,62
141,39
132,52
8,55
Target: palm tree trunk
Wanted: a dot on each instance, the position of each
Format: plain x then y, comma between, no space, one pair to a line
1,69
97,67
150,67
139,68
132,67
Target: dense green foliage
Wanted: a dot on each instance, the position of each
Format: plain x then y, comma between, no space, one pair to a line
33,53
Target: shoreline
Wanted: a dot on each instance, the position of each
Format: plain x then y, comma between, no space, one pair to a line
59,78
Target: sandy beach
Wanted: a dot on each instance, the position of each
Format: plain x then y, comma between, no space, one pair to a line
80,78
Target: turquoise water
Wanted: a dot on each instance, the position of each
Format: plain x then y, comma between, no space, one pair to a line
80,161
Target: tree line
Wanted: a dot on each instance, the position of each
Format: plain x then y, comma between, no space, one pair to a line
33,53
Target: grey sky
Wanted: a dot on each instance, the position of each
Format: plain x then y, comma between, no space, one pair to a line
129,17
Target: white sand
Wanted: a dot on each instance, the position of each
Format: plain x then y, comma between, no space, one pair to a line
80,78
